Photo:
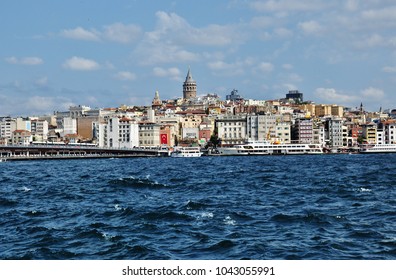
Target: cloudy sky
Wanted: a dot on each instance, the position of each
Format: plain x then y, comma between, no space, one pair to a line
54,54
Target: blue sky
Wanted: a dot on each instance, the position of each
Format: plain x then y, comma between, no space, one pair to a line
54,54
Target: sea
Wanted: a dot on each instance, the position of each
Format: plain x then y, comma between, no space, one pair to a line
306,207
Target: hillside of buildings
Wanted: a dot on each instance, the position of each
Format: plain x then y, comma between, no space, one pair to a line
206,121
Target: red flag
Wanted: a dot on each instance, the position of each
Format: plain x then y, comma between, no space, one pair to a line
164,139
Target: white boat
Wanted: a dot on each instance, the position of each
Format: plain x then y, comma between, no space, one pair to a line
267,148
186,152
377,148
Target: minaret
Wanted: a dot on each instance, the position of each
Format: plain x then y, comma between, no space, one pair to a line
189,86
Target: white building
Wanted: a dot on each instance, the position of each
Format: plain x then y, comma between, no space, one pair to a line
119,132
334,132
7,126
231,129
390,132
39,130
23,124
264,127
69,126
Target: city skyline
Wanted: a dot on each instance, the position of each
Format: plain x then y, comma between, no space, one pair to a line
62,54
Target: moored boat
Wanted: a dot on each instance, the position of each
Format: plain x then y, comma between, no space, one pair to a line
267,148
186,152
377,148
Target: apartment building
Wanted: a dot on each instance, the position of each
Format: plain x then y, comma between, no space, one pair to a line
231,129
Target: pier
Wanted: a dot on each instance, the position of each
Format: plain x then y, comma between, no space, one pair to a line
32,152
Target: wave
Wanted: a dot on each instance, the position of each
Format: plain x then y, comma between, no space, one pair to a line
168,215
222,245
136,182
4,202
311,218
192,205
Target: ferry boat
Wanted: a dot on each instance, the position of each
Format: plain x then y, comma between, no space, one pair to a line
377,148
268,148
186,152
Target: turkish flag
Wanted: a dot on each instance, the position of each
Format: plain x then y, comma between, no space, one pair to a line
164,139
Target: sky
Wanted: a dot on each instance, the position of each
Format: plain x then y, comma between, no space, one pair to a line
54,54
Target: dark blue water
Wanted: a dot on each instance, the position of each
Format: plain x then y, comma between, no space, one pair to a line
283,207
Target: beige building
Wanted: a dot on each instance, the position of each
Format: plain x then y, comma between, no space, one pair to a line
149,134
329,110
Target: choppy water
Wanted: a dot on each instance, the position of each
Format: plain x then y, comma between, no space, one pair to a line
293,207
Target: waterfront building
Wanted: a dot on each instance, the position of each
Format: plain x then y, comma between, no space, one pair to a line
190,134
389,131
264,127
149,134
21,137
369,133
189,86
333,128
283,132
206,130
85,126
121,132
23,124
318,134
167,135
231,129
7,126
189,122
345,136
67,125
39,130
302,131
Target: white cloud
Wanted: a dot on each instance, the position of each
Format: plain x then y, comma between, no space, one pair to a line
116,32
311,27
352,5
389,69
283,32
287,66
163,52
221,68
373,93
265,67
80,33
42,81
287,5
262,22
121,33
25,60
125,76
174,40
384,14
81,64
171,26
172,73
333,96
